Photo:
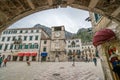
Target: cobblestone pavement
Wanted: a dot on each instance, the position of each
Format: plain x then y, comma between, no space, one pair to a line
51,71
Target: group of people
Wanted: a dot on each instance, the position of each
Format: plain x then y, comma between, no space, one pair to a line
85,58
3,61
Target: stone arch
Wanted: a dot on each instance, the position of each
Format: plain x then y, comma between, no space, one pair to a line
13,10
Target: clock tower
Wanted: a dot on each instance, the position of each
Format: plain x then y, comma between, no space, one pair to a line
58,42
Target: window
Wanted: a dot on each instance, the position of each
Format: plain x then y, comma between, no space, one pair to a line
68,41
36,45
77,45
73,44
30,38
9,32
25,38
44,49
4,32
13,38
69,46
88,47
6,46
78,52
8,39
77,40
23,46
12,32
15,47
26,46
26,31
37,31
36,37
15,31
3,38
91,47
30,45
57,29
20,46
97,17
69,52
19,38
31,31
11,46
0,46
20,31
45,42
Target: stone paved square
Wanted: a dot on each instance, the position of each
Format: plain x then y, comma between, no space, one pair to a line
51,71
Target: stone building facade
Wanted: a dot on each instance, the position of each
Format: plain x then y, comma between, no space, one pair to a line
88,49
45,47
73,45
22,44
99,23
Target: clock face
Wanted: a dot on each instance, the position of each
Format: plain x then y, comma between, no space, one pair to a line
57,34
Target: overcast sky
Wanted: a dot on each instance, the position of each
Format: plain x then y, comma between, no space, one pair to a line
71,18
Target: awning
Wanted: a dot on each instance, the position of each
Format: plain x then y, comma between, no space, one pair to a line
20,54
44,54
33,54
27,54
102,36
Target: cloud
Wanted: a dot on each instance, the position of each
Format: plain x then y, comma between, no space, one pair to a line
71,18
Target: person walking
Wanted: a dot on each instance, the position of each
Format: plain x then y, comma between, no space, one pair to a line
95,61
0,60
28,63
5,62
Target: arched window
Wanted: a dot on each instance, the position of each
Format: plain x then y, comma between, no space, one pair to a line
73,44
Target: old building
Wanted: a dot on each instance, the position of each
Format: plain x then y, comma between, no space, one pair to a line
73,45
45,49
88,50
58,43
22,44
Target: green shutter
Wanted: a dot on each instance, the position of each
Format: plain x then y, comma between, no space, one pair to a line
20,46
11,46
26,46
